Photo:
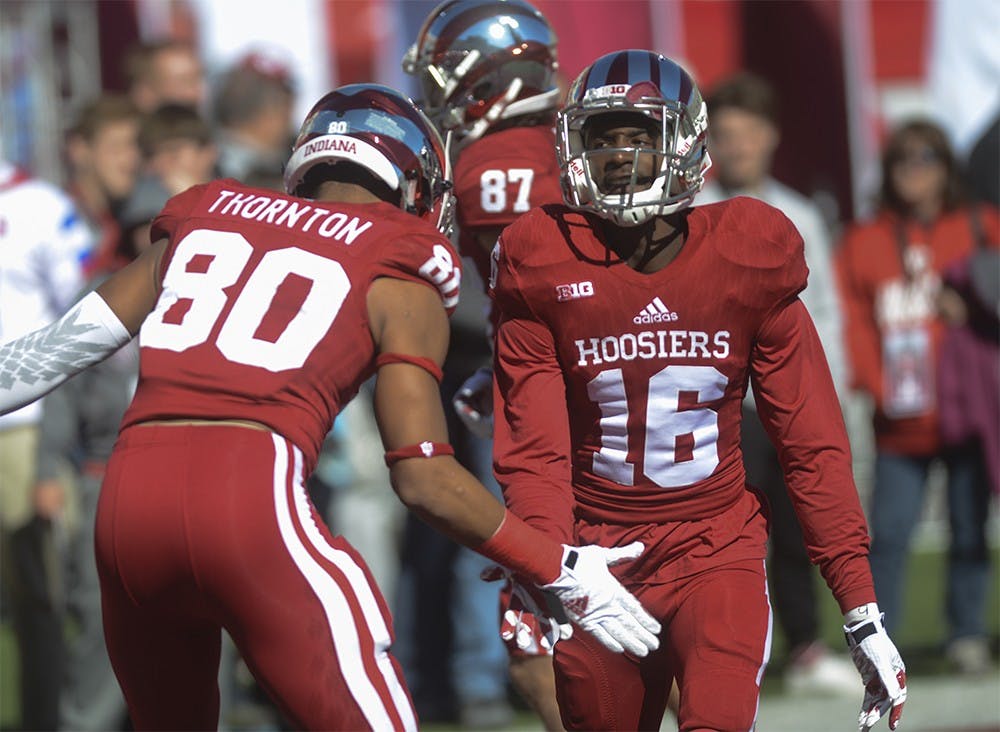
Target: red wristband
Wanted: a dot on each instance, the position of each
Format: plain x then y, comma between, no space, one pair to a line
426,449
422,362
526,551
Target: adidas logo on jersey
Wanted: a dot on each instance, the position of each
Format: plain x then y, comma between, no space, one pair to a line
655,312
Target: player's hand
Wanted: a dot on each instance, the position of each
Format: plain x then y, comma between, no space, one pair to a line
532,621
882,670
596,601
49,499
530,628
473,403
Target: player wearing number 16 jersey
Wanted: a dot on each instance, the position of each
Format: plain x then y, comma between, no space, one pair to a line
260,316
631,324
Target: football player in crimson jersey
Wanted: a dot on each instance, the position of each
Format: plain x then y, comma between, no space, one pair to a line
487,72
630,326
260,315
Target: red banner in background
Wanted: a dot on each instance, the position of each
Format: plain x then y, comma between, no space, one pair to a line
713,40
351,27
900,32
588,30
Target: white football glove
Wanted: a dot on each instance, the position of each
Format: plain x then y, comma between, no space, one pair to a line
596,601
882,670
473,402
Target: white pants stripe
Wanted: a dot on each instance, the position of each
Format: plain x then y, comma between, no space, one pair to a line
767,645
343,628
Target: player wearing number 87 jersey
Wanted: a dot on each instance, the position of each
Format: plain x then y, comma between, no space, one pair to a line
260,315
631,324
487,70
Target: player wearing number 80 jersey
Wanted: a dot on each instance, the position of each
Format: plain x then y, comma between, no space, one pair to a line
260,316
243,327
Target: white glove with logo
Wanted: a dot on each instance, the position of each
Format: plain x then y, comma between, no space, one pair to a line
528,624
882,670
532,621
473,402
596,601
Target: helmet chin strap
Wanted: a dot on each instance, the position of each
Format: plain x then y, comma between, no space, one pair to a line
443,222
448,138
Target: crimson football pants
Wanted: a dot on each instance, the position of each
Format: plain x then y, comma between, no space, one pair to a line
716,641
201,528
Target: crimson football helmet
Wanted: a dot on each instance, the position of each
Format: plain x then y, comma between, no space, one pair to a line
652,85
480,61
382,131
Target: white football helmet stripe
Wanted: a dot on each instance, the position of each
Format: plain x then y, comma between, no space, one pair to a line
331,148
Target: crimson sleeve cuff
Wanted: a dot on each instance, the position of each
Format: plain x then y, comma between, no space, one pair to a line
524,550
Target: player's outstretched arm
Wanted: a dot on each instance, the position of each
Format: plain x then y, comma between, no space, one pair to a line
409,323
94,328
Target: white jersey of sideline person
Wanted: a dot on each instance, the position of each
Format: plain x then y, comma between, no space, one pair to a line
820,296
43,241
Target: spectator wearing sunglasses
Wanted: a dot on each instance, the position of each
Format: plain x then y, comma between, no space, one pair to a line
891,273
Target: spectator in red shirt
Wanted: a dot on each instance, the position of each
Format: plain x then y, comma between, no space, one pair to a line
891,271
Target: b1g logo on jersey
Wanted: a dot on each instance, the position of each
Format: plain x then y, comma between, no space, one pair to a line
574,291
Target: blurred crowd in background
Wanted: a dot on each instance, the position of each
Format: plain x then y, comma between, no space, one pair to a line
872,125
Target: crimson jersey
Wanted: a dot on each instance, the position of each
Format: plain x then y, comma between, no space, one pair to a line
498,178
262,314
621,391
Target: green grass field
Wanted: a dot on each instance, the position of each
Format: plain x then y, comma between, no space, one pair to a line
920,639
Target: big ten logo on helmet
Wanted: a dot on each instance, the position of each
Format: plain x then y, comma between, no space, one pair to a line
574,291
609,90
446,275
